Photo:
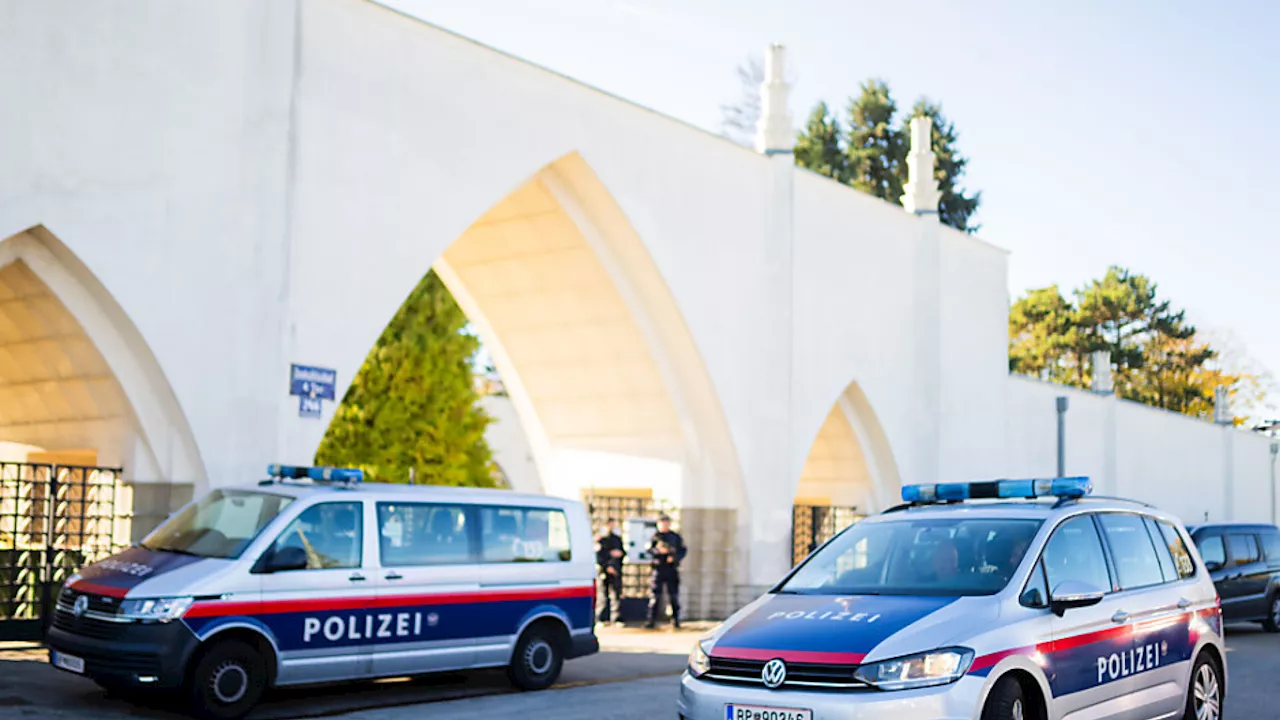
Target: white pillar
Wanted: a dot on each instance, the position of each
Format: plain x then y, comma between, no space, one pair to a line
774,133
921,194
921,198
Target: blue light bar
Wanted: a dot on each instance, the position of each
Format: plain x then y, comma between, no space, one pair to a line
323,474
1070,487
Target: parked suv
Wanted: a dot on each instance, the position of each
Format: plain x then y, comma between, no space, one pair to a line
1244,562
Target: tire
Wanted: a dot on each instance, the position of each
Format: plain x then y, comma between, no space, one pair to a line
1205,688
227,682
1272,623
537,660
1007,701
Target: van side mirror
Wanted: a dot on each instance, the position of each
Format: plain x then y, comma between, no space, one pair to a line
1072,594
1213,566
287,558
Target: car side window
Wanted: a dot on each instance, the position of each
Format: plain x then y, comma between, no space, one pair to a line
515,534
1163,552
1131,550
1244,549
1212,550
1074,553
329,533
1036,593
1178,548
412,534
1271,545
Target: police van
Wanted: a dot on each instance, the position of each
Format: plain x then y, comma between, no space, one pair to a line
998,600
314,576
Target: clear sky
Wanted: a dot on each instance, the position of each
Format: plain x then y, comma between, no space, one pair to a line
1144,134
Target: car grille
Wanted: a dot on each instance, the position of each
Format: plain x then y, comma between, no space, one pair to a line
95,623
799,674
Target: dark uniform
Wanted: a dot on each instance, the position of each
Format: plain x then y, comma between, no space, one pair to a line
666,574
612,581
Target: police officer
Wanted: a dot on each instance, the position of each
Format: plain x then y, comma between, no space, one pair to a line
609,555
666,550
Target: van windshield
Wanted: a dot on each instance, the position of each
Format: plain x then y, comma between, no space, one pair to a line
220,525
918,557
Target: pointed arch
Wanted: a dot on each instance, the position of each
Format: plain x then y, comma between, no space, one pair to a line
169,452
850,462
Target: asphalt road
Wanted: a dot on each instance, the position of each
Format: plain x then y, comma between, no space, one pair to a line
634,678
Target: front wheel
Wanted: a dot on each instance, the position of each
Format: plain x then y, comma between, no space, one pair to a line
1272,623
537,660
1204,697
227,682
1007,701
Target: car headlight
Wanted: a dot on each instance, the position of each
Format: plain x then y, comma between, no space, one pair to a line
155,609
938,667
699,660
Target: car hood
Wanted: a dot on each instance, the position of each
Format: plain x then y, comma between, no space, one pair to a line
117,575
843,629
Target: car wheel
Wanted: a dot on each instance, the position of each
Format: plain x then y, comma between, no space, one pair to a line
1204,697
537,660
1272,623
1007,701
227,682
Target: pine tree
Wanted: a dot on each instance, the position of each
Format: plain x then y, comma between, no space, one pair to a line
818,145
955,207
875,147
413,404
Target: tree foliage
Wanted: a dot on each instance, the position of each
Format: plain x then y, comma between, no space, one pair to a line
1157,358
414,403
738,119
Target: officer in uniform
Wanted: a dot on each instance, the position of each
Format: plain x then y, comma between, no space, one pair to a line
609,555
666,550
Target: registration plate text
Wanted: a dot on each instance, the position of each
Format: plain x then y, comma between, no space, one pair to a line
753,712
69,662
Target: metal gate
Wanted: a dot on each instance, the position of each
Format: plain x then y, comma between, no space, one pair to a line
54,519
635,576
812,525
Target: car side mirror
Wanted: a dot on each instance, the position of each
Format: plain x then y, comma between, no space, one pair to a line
287,558
1213,566
1071,594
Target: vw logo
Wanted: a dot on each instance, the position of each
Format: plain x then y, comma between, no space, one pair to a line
81,604
774,673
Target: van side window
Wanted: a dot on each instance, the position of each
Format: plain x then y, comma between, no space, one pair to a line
1271,545
1178,548
330,534
515,534
1244,549
1212,551
1131,550
423,534
1075,553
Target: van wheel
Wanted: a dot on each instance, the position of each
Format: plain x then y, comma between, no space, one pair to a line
537,660
1272,623
1007,701
1204,697
227,682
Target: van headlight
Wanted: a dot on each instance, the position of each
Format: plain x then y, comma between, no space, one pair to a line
699,660
938,667
155,609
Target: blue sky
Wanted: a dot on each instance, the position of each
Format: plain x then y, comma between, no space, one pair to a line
1136,133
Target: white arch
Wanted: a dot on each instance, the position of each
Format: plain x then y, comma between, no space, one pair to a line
160,419
852,433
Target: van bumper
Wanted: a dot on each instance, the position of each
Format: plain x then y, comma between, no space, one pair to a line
582,645
151,655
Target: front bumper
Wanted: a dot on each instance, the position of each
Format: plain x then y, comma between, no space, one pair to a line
706,700
128,654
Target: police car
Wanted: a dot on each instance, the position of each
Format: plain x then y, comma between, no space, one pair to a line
314,576
1044,603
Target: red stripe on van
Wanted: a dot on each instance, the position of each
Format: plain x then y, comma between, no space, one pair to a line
367,602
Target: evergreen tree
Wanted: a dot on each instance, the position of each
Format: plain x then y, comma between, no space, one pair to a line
413,404
875,147
738,119
955,207
818,145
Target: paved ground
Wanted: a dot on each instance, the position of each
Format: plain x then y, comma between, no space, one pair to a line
634,678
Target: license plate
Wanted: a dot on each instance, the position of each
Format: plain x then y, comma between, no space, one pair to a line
69,662
755,712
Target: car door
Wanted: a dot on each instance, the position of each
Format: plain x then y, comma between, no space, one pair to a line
1244,557
1079,666
316,613
1213,551
428,588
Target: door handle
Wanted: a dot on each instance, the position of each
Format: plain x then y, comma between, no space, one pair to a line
1120,618
1183,604
393,575
357,577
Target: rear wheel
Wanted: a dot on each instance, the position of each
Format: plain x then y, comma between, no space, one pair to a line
227,682
539,655
1272,623
1204,697
1007,701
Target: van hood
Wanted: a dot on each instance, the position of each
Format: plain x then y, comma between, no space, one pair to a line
842,629
117,575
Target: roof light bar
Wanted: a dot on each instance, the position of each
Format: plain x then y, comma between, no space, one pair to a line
1068,487
321,474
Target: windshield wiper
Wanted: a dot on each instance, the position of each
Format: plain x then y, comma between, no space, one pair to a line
175,551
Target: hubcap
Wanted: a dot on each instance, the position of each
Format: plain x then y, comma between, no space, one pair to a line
1017,710
229,683
1275,611
537,657
1208,702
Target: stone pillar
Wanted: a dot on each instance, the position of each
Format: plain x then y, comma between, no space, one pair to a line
920,198
1102,384
1223,418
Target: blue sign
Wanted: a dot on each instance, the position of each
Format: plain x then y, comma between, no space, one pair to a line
313,382
308,407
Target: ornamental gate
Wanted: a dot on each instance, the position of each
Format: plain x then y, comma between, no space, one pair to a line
54,519
812,525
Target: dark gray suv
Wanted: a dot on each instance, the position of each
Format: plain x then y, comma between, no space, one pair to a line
1244,562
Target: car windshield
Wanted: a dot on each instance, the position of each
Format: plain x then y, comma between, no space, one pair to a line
917,557
220,525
